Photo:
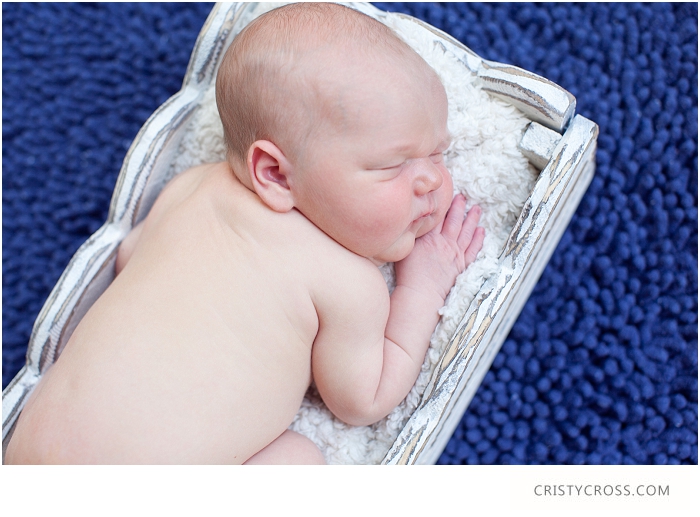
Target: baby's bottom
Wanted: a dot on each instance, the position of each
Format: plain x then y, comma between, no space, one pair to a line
289,448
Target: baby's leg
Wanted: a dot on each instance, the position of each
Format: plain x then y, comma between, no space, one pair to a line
289,448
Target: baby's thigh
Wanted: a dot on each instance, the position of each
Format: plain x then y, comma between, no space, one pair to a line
289,448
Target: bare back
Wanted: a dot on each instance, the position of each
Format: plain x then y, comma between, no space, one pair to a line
203,342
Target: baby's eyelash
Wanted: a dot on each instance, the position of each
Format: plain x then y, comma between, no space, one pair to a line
436,157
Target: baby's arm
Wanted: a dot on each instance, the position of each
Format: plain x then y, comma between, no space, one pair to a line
368,354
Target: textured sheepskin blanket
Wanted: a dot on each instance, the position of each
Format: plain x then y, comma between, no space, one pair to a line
486,166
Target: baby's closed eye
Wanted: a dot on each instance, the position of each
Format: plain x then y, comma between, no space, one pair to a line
393,167
387,172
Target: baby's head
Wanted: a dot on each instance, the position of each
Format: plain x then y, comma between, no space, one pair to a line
327,111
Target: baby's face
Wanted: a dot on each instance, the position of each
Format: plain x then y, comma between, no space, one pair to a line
377,180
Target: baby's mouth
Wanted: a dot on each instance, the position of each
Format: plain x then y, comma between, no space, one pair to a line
423,224
425,215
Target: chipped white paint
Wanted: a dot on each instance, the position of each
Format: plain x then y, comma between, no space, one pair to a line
538,143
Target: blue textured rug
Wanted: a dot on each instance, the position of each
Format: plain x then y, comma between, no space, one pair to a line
601,366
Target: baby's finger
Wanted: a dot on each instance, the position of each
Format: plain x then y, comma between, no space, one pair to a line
454,217
474,246
468,227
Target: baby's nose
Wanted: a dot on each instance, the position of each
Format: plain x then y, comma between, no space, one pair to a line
429,177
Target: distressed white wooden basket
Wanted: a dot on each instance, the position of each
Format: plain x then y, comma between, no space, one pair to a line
558,142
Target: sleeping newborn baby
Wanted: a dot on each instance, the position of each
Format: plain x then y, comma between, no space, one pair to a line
251,278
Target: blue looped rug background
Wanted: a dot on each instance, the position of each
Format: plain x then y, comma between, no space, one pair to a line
601,366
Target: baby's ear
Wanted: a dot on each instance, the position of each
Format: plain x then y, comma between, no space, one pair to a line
269,170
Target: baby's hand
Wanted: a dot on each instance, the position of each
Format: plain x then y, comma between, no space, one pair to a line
364,379
444,252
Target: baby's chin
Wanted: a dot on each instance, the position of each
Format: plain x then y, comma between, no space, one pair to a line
396,253
404,246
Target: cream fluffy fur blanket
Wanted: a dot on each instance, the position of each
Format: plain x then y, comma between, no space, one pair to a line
486,166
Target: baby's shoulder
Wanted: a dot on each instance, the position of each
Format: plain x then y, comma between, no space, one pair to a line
345,279
181,187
